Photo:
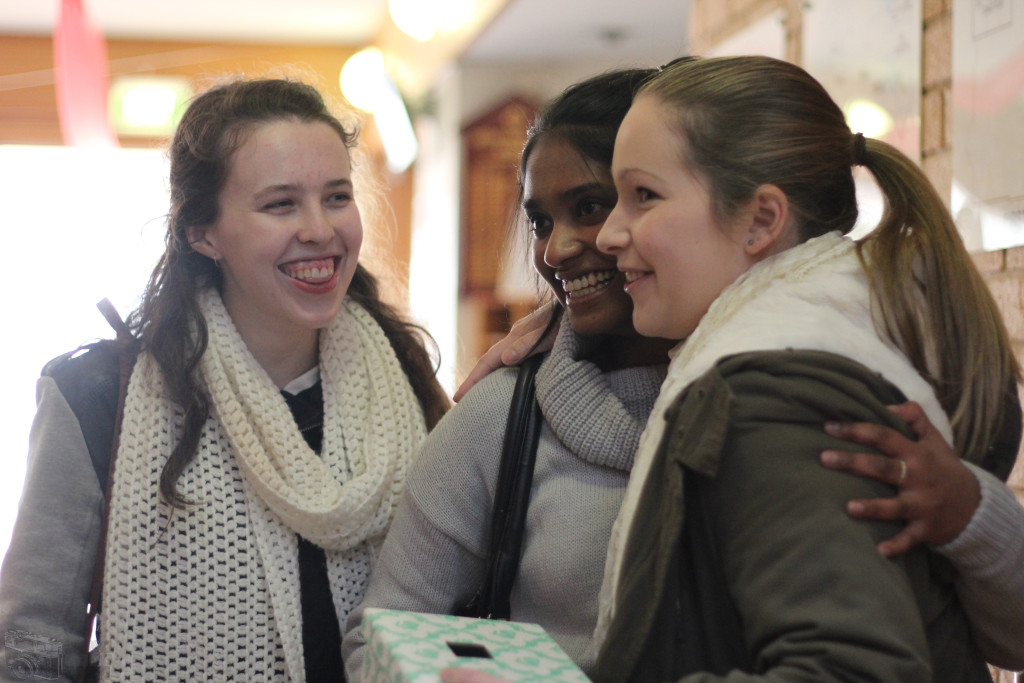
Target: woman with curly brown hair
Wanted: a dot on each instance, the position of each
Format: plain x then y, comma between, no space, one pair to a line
273,406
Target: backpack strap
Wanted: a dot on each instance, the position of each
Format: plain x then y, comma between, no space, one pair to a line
127,352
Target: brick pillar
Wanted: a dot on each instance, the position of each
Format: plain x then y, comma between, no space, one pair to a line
1003,271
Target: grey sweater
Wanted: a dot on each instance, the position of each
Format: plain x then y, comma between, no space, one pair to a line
433,558
44,585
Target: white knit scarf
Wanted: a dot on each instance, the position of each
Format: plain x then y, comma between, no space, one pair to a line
815,297
212,593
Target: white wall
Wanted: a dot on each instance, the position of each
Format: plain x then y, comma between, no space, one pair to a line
78,225
434,258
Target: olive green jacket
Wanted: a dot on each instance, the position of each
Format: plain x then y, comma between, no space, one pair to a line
742,563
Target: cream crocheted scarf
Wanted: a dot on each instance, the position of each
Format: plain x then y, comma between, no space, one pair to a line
812,296
213,592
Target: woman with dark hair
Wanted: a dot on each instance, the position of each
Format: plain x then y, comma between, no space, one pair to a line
273,406
594,390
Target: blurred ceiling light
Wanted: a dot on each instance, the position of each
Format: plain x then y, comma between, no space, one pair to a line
148,105
414,17
422,20
454,14
868,117
362,78
365,82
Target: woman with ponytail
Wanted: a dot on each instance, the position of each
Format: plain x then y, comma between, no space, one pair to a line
733,555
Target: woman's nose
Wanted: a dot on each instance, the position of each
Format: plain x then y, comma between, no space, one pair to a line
316,226
613,236
562,245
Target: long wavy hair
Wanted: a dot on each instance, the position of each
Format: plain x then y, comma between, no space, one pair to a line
169,323
748,121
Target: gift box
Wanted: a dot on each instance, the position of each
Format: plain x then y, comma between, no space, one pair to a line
409,647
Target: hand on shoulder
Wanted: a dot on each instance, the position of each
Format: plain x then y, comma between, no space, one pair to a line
533,334
935,492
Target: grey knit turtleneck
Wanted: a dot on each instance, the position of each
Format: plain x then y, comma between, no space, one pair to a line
433,558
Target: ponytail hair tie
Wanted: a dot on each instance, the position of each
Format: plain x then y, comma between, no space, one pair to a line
677,60
860,150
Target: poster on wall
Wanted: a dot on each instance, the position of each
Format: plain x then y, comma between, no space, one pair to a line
988,117
872,69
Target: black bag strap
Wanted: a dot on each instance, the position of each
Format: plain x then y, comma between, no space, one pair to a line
126,355
511,498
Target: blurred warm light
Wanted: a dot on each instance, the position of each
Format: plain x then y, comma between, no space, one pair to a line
144,105
454,14
362,78
365,82
422,20
414,17
869,118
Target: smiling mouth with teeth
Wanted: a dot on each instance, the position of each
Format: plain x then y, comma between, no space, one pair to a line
314,272
588,284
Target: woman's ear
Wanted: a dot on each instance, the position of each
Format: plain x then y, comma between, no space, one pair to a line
769,222
199,238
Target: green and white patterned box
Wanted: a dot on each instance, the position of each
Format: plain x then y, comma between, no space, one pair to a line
409,647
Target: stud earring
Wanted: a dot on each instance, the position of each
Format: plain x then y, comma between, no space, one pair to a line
750,242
